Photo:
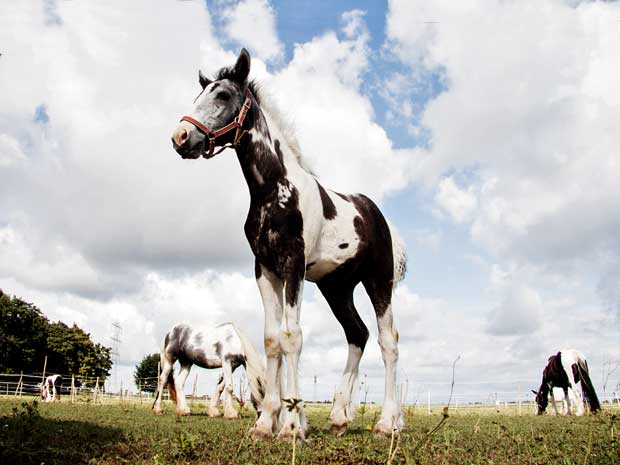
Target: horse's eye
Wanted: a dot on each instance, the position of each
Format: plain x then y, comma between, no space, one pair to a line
222,96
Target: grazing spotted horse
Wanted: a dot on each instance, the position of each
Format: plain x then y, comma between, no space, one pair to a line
565,370
208,347
297,230
51,388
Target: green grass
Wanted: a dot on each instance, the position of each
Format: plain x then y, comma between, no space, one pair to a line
128,433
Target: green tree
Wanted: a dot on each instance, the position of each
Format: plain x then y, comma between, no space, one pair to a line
147,368
26,337
23,336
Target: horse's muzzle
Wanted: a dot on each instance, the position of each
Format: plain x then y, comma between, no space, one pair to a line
186,152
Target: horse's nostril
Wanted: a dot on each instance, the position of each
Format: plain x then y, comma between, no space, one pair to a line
180,137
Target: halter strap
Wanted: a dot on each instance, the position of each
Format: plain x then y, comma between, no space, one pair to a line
237,124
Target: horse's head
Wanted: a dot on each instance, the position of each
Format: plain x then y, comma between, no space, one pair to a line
216,108
43,390
541,400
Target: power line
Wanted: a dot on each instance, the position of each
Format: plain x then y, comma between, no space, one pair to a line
117,330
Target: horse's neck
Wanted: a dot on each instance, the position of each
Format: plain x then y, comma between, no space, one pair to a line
262,156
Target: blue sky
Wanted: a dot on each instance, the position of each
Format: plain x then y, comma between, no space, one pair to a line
482,130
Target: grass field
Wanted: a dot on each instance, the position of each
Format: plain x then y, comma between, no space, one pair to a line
128,433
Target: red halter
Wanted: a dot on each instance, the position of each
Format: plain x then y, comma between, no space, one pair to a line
237,123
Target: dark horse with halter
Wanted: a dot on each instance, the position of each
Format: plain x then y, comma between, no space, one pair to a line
298,230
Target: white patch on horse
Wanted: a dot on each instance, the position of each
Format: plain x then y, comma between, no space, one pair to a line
329,251
284,194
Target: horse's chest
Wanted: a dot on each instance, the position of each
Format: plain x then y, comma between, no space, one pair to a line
275,231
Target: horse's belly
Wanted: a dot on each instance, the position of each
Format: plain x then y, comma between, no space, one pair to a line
327,260
337,243
208,362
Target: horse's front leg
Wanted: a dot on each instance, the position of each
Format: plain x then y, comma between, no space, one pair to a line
182,407
291,343
164,380
229,408
555,408
270,287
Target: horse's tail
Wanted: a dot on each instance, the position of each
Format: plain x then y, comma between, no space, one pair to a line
587,388
254,367
399,254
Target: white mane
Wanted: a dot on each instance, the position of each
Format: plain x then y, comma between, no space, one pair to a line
269,107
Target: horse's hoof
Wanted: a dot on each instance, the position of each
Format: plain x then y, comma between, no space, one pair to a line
259,434
384,430
183,413
286,435
214,413
157,411
232,416
338,430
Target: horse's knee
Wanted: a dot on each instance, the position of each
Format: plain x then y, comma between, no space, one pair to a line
291,340
272,346
389,346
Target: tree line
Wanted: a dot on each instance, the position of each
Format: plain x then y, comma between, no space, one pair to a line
27,337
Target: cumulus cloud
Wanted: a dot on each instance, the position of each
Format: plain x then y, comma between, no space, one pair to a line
526,106
252,23
518,312
319,92
458,203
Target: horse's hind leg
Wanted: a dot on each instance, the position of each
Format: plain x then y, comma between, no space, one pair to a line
182,407
379,290
340,299
229,408
212,409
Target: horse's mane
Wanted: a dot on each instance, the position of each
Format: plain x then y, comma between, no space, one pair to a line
268,106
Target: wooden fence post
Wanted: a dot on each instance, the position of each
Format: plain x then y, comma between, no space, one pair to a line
43,377
19,383
194,389
158,382
96,391
429,402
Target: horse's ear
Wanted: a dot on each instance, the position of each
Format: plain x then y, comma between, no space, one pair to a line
534,392
242,66
203,80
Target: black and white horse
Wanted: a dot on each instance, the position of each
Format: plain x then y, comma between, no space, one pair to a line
566,370
223,347
298,230
50,388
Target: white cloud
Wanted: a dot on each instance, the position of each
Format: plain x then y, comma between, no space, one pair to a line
252,24
460,204
527,107
518,313
10,151
354,24
319,93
